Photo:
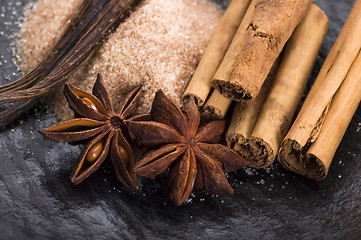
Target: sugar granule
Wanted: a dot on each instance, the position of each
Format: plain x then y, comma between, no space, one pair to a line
158,46
42,27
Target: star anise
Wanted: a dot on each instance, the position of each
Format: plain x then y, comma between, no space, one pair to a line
103,128
192,154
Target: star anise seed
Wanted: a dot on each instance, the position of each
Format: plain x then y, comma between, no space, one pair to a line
103,128
190,152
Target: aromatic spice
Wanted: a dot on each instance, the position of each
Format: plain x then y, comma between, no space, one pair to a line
103,128
80,40
259,40
192,153
200,86
311,143
158,46
258,138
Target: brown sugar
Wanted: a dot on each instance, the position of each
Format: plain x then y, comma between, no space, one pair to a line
158,46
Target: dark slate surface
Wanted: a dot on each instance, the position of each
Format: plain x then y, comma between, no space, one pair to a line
38,201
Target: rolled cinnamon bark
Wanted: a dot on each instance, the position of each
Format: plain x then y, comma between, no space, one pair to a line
201,82
298,59
244,118
314,161
216,106
266,27
299,56
309,146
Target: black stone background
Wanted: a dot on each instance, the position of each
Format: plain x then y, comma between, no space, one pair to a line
37,200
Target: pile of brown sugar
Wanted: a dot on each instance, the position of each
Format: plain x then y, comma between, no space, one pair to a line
158,46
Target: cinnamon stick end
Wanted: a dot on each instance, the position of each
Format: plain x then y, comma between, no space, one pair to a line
295,158
255,150
198,100
262,153
239,144
233,91
211,113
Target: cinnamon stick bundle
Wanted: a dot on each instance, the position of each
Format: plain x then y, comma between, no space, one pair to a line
200,85
311,143
266,27
292,76
215,105
274,119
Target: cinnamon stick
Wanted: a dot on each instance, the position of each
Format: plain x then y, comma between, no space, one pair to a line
266,27
216,106
200,85
244,118
309,146
298,59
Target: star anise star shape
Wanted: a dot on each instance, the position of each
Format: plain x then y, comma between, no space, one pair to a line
103,128
190,152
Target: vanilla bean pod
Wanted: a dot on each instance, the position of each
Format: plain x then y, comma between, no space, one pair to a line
81,39
63,46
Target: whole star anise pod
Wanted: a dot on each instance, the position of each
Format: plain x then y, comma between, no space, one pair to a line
104,128
190,152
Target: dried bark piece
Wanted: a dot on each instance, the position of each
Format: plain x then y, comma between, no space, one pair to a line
200,85
216,106
311,143
297,62
265,29
244,118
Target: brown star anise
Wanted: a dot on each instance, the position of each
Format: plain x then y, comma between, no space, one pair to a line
104,129
191,153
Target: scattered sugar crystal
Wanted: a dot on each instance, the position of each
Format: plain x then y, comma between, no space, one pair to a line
158,46
249,171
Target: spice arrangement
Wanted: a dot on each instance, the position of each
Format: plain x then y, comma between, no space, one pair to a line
260,127
264,113
189,151
261,55
168,38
